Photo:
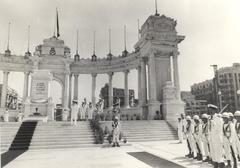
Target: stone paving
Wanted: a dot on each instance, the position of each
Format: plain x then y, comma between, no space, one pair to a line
105,157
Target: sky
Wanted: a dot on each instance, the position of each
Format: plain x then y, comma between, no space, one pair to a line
211,27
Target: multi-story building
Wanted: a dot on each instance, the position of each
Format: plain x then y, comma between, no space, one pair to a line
227,85
193,106
117,93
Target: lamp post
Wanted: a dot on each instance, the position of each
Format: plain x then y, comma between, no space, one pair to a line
220,99
238,93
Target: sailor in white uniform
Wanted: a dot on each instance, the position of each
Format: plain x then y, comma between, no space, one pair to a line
205,137
74,112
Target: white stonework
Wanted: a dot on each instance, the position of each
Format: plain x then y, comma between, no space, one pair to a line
155,48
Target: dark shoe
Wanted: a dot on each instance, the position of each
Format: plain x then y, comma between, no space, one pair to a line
188,155
192,155
210,161
215,164
118,145
196,156
199,157
207,159
222,165
113,145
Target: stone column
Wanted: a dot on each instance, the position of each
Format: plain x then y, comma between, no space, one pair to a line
66,97
94,88
126,92
152,78
153,104
176,74
4,89
110,90
25,87
70,90
139,86
143,82
75,94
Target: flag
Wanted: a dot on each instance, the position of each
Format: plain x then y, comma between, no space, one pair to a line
58,34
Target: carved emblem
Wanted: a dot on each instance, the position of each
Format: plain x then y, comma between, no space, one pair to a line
52,51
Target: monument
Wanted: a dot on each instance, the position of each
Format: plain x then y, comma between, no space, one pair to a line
155,58
39,105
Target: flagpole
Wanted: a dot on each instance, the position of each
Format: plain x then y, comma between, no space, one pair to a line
28,37
8,35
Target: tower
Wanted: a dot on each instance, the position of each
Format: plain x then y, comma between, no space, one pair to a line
158,46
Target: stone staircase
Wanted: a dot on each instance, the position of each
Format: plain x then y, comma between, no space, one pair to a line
8,132
57,135
148,130
144,130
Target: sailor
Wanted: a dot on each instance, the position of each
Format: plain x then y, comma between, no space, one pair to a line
189,136
116,132
205,137
237,129
233,144
180,130
74,112
227,138
198,136
216,136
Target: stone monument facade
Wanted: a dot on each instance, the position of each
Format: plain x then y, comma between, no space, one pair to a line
156,52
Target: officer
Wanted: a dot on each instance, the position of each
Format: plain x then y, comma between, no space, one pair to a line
116,132
90,110
205,137
237,128
74,112
198,136
216,136
189,136
180,130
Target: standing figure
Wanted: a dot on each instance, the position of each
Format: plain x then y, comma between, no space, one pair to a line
216,136
74,112
205,137
90,110
237,129
198,136
116,132
190,139
82,111
180,131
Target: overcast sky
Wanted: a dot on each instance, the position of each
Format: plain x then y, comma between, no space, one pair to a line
211,27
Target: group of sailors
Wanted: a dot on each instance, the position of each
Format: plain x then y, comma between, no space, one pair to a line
213,137
85,110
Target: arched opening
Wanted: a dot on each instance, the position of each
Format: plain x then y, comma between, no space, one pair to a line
56,92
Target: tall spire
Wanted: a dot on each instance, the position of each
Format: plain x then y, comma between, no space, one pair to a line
109,41
109,55
76,56
156,9
125,47
8,35
8,52
77,43
138,29
58,33
94,57
125,52
28,37
28,54
94,42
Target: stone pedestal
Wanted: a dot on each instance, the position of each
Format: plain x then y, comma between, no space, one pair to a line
65,114
173,107
6,116
153,107
39,104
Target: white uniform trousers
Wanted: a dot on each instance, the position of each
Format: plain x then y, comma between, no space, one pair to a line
227,148
205,142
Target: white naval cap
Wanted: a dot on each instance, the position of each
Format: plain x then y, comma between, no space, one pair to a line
225,115
188,117
196,117
230,114
205,116
237,114
212,106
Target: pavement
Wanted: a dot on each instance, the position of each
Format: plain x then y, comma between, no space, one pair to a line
107,157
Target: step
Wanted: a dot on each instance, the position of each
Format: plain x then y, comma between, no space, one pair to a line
64,146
